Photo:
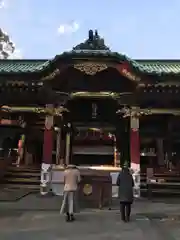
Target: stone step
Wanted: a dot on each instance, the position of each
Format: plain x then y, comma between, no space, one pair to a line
22,177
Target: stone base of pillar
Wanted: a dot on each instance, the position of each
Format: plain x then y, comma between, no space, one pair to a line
135,168
45,185
135,154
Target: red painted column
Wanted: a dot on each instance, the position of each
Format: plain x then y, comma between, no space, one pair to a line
135,152
46,165
48,140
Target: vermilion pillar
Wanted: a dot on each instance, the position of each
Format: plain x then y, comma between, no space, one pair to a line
135,152
48,140
46,165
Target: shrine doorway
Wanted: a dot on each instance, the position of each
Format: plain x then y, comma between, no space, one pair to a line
100,137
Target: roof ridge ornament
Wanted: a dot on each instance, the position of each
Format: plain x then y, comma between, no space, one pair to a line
94,42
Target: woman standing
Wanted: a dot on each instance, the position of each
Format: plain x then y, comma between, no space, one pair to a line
126,183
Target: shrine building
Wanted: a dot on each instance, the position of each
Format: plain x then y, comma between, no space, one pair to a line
91,107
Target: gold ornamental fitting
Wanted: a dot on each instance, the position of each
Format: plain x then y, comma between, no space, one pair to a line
87,189
90,68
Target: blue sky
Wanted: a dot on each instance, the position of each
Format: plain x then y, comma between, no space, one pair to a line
140,29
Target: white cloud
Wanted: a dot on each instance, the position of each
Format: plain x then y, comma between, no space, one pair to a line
68,28
3,4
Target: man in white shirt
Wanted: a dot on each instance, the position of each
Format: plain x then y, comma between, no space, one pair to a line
71,180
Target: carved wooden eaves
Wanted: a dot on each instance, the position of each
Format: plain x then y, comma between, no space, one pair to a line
90,68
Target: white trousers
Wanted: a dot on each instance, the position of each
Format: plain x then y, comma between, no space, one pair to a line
68,199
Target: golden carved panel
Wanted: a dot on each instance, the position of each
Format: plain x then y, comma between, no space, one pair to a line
17,83
90,68
51,75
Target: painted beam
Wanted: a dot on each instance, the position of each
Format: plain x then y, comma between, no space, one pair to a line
38,110
148,111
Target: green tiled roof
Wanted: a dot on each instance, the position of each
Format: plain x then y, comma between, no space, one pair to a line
145,66
93,47
166,66
22,66
158,67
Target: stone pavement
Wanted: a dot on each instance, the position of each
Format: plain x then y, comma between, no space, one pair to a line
34,217
89,225
34,202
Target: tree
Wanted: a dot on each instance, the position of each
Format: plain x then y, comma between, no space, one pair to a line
6,45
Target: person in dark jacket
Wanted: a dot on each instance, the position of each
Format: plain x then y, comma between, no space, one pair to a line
126,183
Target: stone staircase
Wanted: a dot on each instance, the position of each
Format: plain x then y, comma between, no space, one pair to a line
22,177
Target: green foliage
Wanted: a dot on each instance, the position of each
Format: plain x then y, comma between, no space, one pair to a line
6,45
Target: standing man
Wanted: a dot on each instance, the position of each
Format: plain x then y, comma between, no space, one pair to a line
71,180
126,183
